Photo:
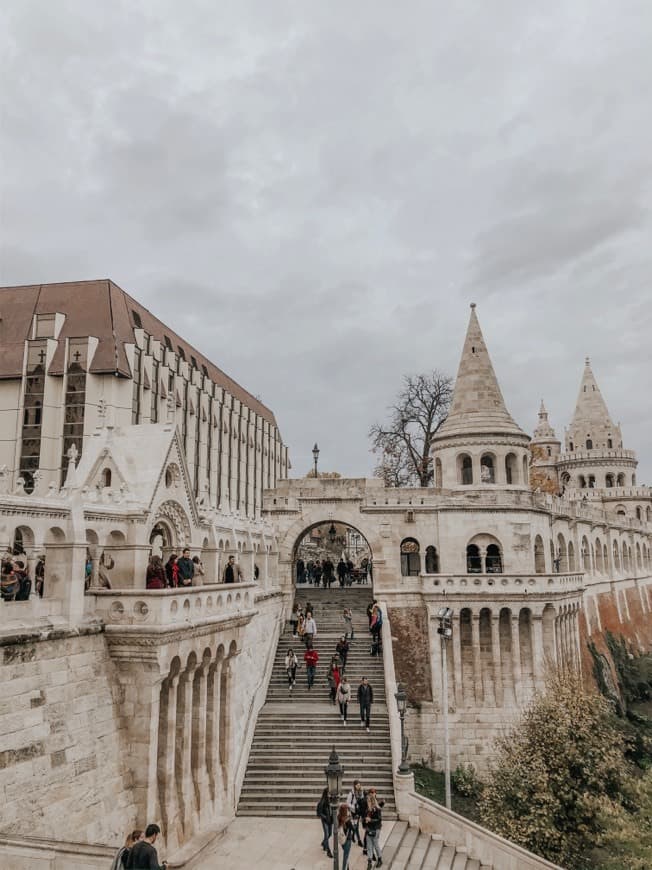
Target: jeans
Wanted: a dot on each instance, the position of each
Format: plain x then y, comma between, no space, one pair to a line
365,713
292,675
343,708
327,828
346,848
349,627
310,675
373,845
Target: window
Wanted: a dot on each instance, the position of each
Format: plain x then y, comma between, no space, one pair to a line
168,342
137,377
591,481
410,558
487,470
45,324
465,465
138,323
432,560
511,466
549,450
609,480
571,446
589,444
106,477
621,479
610,443
204,370
494,559
75,402
32,413
473,559
581,481
539,556
182,353
193,362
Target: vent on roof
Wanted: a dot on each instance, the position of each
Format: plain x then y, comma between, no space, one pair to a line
138,323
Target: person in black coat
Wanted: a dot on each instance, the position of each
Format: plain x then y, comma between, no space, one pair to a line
324,813
365,700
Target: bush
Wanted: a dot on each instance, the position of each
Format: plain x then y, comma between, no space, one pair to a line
559,775
465,781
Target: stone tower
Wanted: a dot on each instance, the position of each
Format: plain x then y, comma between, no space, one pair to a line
479,444
546,448
594,457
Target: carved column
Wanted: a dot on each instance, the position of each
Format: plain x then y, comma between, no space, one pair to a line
495,654
213,744
170,804
186,696
477,664
200,716
516,659
539,656
225,726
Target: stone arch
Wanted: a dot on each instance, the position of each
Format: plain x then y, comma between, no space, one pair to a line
616,556
562,553
488,550
175,518
23,541
161,539
539,556
586,556
609,480
548,628
621,479
511,469
464,469
525,637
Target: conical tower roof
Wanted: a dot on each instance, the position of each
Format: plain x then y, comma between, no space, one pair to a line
543,431
478,406
591,412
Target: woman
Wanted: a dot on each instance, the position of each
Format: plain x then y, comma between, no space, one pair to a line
374,822
294,619
198,571
9,582
334,679
155,578
348,622
343,698
172,571
324,813
291,663
120,860
345,833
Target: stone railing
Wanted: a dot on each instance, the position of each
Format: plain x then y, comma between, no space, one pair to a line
598,453
169,608
494,584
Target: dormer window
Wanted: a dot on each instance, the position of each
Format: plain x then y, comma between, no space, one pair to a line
138,323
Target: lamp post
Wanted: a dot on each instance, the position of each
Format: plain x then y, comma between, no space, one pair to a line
401,702
445,631
315,456
332,533
334,771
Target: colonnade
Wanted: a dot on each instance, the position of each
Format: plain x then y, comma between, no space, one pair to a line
497,657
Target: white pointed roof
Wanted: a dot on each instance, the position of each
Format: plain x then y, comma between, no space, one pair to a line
478,406
543,431
591,412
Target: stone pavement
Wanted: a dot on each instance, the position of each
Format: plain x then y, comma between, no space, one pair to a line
276,844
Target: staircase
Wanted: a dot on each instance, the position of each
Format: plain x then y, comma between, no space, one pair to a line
409,849
296,730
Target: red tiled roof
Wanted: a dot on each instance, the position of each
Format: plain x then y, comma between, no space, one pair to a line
101,309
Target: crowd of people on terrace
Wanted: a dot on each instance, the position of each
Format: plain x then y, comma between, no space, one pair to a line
324,572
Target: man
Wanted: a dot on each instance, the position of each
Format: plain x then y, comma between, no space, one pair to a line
309,629
143,855
25,584
301,570
342,649
186,568
365,699
341,572
232,572
310,657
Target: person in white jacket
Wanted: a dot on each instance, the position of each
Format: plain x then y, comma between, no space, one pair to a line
343,698
309,629
291,663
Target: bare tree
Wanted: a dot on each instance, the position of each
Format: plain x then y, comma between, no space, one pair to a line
403,443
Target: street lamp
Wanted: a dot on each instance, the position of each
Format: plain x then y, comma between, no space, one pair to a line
315,456
334,772
332,533
401,702
445,631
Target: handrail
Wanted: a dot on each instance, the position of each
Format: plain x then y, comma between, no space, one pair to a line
390,688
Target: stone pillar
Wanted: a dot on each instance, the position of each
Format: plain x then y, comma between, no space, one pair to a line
477,663
213,745
578,643
457,661
495,654
538,652
226,729
186,696
65,572
483,559
516,659
170,806
200,771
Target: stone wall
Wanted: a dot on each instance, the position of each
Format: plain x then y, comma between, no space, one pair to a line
62,774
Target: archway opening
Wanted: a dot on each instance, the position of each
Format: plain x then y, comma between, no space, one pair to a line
332,553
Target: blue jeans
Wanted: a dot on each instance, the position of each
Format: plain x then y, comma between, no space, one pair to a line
310,675
346,848
327,828
373,845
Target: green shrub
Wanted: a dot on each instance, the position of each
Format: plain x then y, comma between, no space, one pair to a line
465,781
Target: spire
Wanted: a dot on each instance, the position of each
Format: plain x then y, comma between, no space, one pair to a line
478,405
591,411
543,431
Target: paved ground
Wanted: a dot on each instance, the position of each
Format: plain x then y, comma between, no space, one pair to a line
277,844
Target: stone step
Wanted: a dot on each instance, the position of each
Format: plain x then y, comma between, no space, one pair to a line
393,842
418,853
433,852
404,851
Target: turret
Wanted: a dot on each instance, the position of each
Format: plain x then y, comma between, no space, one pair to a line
545,448
479,444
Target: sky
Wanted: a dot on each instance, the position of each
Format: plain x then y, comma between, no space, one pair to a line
312,193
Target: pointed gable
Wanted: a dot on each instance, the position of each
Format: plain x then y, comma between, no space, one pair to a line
592,426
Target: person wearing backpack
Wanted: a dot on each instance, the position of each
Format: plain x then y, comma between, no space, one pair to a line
357,803
324,814
345,833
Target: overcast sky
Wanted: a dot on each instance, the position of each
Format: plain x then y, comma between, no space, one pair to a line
313,192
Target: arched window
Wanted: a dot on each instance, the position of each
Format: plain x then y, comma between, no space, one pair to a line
487,469
633,480
610,443
549,451
589,444
616,557
562,555
494,559
639,513
571,557
539,556
609,480
639,560
511,469
621,479
410,558
526,471
465,469
591,481
432,560
571,447
648,514
565,478
438,474
599,565
581,481
586,556
473,559
106,477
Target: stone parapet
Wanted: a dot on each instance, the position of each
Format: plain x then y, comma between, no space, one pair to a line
492,585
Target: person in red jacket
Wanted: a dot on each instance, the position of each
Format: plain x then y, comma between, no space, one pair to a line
310,657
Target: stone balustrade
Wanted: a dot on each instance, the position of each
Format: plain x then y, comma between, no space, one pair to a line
172,608
494,584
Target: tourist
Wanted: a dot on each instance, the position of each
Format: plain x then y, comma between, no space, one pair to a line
172,571
365,700
327,573
310,657
24,582
88,571
186,568
309,628
143,855
324,813
348,622
291,663
343,698
199,572
333,678
122,855
357,803
9,582
294,619
375,628
342,650
232,572
317,573
39,576
374,823
341,572
155,577
345,833
310,567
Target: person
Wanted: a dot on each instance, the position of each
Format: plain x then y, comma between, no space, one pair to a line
348,622
294,619
370,610
327,573
155,577
341,572
342,650
349,572
186,568
345,833
375,628
172,571
122,855
365,700
39,576
88,571
309,628
317,573
324,813
310,657
343,698
232,572
24,582
301,571
143,855
291,663
374,822
198,576
9,582
333,680
357,803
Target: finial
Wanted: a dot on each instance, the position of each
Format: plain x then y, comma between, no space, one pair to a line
587,361
473,305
